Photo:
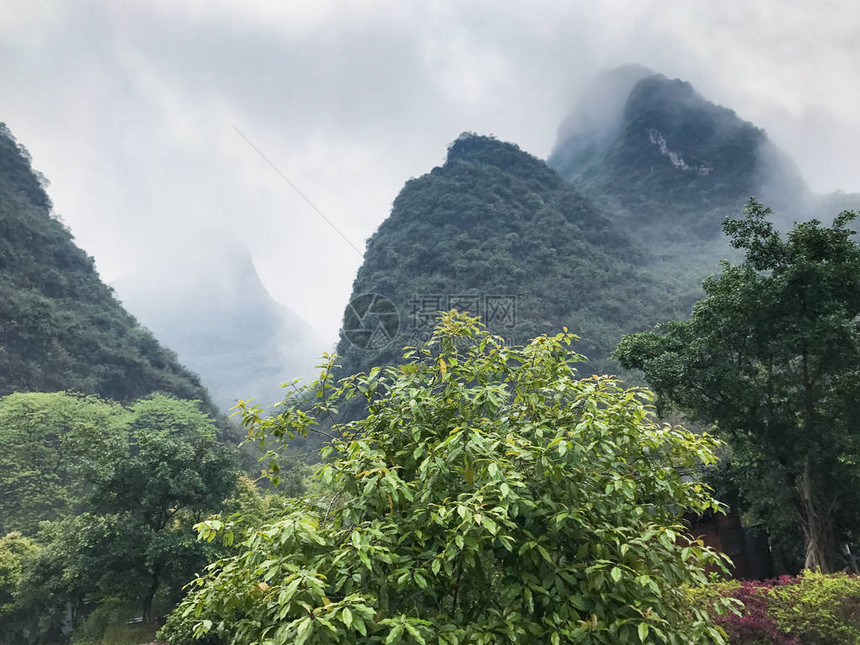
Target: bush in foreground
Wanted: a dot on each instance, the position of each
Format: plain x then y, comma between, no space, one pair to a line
812,609
489,496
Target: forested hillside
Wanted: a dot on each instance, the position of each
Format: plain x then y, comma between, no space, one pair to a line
615,232
496,232
98,496
481,487
60,327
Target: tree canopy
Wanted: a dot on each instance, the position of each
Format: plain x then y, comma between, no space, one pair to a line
175,473
489,496
771,357
55,446
110,495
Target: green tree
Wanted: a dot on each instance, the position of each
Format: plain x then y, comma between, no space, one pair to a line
16,551
175,474
489,496
62,580
771,357
135,539
53,447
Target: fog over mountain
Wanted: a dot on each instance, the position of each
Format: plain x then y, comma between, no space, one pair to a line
613,234
633,129
128,108
223,323
204,201
657,150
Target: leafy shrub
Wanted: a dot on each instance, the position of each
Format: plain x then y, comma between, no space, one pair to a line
754,625
819,608
15,552
490,496
111,611
812,609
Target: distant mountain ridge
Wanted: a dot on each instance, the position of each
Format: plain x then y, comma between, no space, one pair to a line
611,235
60,326
674,164
219,317
672,159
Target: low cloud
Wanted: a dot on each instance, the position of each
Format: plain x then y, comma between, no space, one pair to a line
129,109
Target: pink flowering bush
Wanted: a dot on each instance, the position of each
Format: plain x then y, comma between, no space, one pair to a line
754,625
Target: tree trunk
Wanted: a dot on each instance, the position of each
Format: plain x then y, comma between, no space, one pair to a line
816,517
150,596
817,525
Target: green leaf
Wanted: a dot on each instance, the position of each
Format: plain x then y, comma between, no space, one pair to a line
415,633
395,633
303,631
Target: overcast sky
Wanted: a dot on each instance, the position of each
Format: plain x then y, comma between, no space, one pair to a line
131,109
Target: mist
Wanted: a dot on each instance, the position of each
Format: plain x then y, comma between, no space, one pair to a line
132,112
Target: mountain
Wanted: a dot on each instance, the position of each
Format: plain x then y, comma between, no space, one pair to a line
669,162
61,328
220,319
672,165
496,232
613,234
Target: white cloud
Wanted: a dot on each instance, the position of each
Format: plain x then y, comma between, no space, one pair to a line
127,108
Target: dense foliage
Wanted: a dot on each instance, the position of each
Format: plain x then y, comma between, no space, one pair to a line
55,446
771,356
116,492
60,327
16,552
490,496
